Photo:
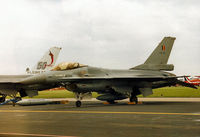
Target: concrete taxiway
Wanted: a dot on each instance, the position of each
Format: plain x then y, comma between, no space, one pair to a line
94,119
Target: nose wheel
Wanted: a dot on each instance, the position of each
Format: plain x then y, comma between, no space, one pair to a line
78,103
79,96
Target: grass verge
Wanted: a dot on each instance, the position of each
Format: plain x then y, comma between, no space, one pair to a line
161,92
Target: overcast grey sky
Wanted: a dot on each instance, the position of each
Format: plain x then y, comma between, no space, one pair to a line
104,33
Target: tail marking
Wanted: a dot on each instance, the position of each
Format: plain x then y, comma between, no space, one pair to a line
52,59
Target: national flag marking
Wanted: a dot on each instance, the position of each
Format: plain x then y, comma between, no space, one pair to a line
163,48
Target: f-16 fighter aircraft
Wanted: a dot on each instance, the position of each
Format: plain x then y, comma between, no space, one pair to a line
111,84
47,62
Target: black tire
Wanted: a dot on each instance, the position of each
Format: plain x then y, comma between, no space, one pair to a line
2,99
78,103
133,99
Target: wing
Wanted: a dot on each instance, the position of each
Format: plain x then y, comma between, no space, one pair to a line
12,78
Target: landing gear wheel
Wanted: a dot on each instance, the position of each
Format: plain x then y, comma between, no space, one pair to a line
2,99
134,99
78,103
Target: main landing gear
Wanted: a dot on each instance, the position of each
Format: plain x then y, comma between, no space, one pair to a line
79,96
133,98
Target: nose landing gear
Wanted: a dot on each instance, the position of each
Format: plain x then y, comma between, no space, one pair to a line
79,97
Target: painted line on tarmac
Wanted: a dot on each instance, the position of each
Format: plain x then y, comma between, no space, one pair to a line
33,135
98,112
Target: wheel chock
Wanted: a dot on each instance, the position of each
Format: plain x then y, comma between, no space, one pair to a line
131,103
140,102
106,103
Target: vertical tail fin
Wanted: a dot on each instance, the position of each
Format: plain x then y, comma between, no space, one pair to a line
47,62
159,57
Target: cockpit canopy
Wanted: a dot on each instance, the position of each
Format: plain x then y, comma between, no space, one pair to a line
67,66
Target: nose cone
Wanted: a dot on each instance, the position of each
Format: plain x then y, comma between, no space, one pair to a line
37,79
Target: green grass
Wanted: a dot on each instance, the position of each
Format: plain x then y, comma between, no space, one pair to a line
58,94
161,92
175,92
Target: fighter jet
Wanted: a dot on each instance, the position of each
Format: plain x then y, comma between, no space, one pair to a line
195,81
46,63
111,84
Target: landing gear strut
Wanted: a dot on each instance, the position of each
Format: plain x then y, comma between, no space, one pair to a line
80,95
